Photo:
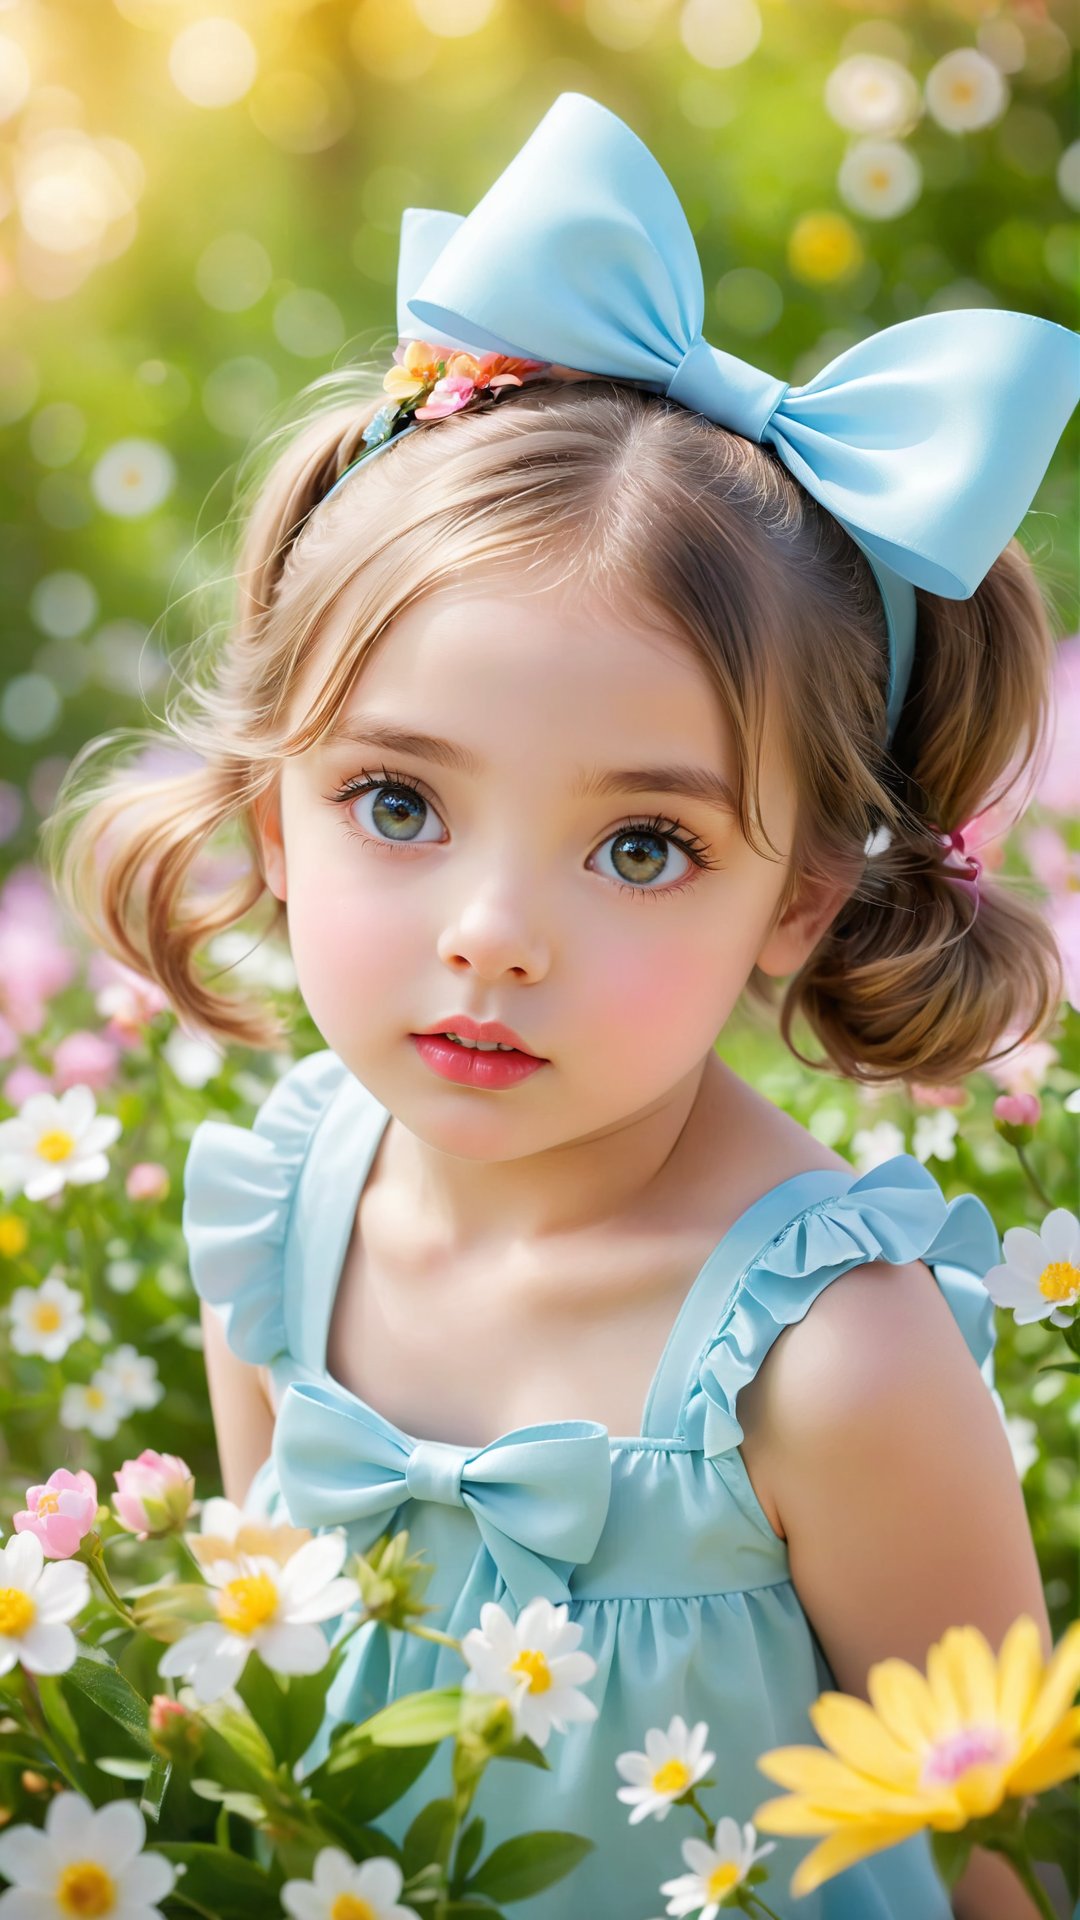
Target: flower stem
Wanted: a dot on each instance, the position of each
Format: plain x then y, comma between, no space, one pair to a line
691,1800
432,1633
96,1562
39,1727
759,1902
1015,1853
1033,1177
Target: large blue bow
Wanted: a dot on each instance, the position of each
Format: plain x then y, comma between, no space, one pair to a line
539,1495
927,441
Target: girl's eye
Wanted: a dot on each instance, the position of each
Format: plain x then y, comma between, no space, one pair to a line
397,810
640,851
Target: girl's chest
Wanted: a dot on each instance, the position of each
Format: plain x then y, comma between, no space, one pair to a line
465,1359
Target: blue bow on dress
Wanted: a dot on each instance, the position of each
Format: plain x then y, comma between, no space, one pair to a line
539,1495
927,441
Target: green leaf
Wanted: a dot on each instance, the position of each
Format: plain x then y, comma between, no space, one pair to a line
463,1908
288,1708
429,1838
96,1682
1051,1829
1060,1366
125,1769
528,1863
952,1852
219,1882
58,1714
156,1787
358,1780
527,1750
417,1719
248,1805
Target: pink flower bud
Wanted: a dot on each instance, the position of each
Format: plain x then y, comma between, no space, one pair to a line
938,1096
61,1512
147,1180
86,1058
154,1493
24,1081
174,1729
1018,1109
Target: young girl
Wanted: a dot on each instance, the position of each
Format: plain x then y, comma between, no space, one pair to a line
558,729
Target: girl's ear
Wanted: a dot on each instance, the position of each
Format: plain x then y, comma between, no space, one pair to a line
792,939
266,815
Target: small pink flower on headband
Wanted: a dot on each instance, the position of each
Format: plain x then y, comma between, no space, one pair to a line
446,381
964,868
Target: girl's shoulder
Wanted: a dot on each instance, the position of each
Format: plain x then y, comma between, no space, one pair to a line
239,1187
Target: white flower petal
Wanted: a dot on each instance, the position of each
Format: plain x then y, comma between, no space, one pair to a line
48,1647
21,1561
80,1173
26,1857
1061,1235
293,1649
119,1834
301,1901
63,1590
149,1879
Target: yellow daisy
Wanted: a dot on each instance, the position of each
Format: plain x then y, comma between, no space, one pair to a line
938,1751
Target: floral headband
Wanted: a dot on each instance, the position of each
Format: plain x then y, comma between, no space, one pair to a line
961,867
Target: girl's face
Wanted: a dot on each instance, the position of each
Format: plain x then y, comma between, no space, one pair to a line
530,863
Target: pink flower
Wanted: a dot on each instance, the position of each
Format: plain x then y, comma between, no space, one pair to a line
86,1057
1018,1109
174,1729
938,1096
154,1493
448,395
1059,788
1022,1069
127,1000
147,1180
60,1513
23,1082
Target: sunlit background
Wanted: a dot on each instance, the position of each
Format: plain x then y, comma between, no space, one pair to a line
199,215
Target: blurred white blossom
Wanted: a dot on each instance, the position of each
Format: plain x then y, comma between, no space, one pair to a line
55,1142
965,90
46,1319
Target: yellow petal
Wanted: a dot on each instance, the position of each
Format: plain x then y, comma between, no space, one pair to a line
1020,1665
1045,1768
400,384
1060,1681
974,1675
789,1814
809,1769
980,1789
419,356
903,1701
856,1734
842,1850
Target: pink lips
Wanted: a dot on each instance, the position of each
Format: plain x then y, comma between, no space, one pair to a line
467,1029
470,1068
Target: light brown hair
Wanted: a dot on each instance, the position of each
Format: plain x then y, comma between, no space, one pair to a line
643,498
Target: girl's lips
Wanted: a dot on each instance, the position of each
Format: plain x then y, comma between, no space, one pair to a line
469,1067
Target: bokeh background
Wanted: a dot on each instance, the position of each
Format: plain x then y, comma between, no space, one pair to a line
199,210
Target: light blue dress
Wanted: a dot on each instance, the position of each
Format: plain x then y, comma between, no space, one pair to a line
656,1540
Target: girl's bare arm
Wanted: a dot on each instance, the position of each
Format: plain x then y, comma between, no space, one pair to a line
243,1420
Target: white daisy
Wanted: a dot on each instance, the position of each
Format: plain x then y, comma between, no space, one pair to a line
715,1871
46,1319
132,477
339,1888
872,1146
879,178
52,1142
193,1060
871,94
36,1601
97,1408
86,1861
265,963
1039,1278
965,90
1072,1100
532,1663
267,1608
134,1376
935,1135
671,1764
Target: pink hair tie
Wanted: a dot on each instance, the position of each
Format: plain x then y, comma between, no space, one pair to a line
962,868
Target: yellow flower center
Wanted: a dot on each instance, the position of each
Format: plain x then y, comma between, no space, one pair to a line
722,1879
46,1316
247,1603
962,92
84,1888
672,1777
349,1906
49,1503
531,1661
949,1760
879,178
17,1611
56,1145
13,1236
1060,1281
95,1397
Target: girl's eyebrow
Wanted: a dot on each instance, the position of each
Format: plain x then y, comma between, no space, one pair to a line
688,783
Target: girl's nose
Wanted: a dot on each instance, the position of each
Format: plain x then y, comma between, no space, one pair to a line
494,929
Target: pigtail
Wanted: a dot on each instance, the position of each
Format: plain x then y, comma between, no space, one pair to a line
122,845
908,983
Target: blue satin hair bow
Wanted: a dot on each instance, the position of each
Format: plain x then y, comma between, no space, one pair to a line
927,441
539,1495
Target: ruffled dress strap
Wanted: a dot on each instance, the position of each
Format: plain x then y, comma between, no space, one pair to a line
239,1186
895,1212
